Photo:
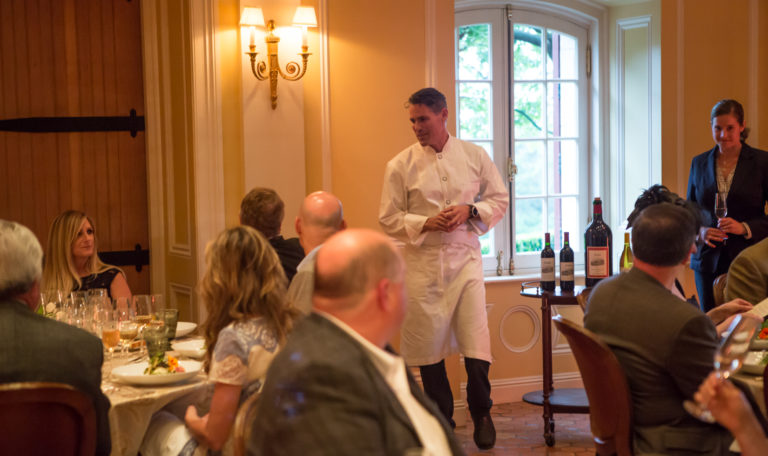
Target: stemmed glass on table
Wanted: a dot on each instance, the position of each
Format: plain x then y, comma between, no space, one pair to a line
721,208
728,358
110,333
126,322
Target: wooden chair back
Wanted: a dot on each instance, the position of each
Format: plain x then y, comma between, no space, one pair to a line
243,420
610,405
583,297
718,287
43,418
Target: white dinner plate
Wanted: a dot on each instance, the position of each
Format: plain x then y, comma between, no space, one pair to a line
193,348
759,344
184,327
753,363
134,373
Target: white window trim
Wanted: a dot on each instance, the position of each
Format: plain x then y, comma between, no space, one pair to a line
593,17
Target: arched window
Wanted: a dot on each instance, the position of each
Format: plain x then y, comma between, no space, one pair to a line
523,95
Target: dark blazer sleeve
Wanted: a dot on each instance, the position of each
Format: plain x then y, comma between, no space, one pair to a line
750,191
690,359
316,414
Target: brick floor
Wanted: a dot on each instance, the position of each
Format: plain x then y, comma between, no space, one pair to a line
519,429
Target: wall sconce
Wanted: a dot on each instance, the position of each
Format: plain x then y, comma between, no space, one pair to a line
253,17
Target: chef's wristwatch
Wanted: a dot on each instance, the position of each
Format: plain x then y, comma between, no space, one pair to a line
473,211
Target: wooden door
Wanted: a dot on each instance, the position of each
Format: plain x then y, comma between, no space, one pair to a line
65,65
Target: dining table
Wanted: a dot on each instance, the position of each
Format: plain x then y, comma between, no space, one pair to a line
132,405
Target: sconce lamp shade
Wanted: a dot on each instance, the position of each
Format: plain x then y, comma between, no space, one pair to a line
305,17
252,17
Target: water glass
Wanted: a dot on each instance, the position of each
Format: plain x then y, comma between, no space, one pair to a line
144,308
169,317
110,334
52,302
156,340
729,357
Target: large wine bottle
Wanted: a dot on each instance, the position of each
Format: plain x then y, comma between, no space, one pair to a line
547,266
626,260
598,242
566,265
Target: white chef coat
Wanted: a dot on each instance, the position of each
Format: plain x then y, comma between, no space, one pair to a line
444,279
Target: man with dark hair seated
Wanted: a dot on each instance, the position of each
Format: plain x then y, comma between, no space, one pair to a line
263,210
34,348
665,346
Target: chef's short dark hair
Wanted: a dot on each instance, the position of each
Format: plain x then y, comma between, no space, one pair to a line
429,97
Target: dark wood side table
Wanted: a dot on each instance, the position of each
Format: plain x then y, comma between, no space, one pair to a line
564,400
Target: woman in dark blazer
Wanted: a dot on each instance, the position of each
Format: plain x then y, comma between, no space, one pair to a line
735,168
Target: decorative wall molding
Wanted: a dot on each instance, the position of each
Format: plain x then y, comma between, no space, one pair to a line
177,291
622,25
154,138
535,320
206,144
753,112
325,98
177,247
430,43
682,166
505,390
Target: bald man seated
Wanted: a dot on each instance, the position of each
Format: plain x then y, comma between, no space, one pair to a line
320,217
337,388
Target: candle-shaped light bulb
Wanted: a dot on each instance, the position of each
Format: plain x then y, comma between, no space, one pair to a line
253,36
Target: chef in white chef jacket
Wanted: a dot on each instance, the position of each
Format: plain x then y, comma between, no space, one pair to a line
439,195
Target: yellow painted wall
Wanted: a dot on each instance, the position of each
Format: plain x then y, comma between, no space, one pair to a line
374,66
711,49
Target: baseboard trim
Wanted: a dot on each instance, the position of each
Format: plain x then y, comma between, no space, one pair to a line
505,390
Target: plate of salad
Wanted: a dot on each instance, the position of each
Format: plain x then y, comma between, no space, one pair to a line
760,342
754,362
160,370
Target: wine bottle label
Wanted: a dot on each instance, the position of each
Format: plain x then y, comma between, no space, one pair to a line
597,262
547,269
566,271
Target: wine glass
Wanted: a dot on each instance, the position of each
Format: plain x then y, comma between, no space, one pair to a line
110,334
721,208
127,326
142,305
728,358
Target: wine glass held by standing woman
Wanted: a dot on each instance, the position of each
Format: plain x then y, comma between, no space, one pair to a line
72,262
741,172
659,194
244,291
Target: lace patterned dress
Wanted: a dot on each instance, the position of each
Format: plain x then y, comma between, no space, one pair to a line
242,355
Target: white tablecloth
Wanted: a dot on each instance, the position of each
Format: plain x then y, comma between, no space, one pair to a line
133,406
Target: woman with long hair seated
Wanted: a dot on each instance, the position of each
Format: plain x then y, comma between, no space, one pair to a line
244,292
72,262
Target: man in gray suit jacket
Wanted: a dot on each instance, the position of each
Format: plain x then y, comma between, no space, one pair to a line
665,346
337,388
748,274
38,349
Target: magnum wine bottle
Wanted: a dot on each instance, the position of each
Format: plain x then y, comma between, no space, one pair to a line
626,260
598,242
566,265
547,266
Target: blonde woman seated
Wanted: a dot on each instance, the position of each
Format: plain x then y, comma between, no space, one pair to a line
244,291
72,262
